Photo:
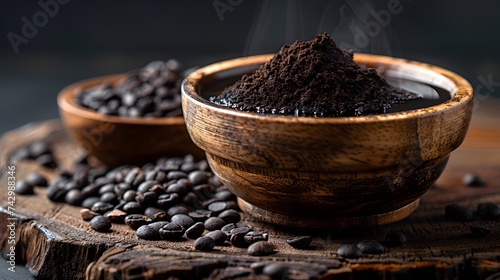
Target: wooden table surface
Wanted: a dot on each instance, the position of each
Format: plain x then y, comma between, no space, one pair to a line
53,241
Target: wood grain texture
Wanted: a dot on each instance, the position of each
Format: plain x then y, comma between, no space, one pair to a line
56,244
305,168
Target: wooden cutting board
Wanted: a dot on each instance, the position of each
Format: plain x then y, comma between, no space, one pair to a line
54,243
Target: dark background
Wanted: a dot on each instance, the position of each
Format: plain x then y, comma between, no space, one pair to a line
91,38
83,39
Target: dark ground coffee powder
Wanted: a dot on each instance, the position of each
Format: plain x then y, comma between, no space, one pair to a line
313,78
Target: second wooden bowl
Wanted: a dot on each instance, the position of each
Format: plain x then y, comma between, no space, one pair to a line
117,140
328,172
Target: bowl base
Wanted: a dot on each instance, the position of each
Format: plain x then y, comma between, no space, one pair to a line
335,223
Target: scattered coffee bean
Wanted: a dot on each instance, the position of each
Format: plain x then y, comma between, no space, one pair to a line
349,251
473,180
479,231
195,230
257,267
157,225
395,239
275,270
132,207
100,223
214,223
458,213
183,220
102,207
134,221
254,237
178,209
261,248
148,233
87,215
200,215
218,236
230,216
371,247
74,197
171,231
488,211
204,243
24,188
237,237
116,216
89,201
36,179
300,242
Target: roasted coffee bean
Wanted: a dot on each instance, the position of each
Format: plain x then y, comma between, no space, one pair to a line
458,213
167,200
46,161
217,207
261,248
230,216
24,188
156,175
74,197
150,211
171,231
146,185
100,223
148,233
275,270
204,243
109,197
174,174
488,211
371,247
178,209
89,201
146,199
106,188
87,215
190,199
183,220
121,188
473,180
102,207
36,179
395,239
225,195
38,149
132,207
479,231
90,190
116,216
56,193
129,195
21,154
254,236
227,228
218,236
232,205
177,188
198,177
300,242
214,223
189,166
349,251
200,215
134,177
134,221
195,231
237,237
257,267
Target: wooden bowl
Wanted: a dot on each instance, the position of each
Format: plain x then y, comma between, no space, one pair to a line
328,172
117,140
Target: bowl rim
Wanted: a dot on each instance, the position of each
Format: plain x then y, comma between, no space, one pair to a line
67,96
463,95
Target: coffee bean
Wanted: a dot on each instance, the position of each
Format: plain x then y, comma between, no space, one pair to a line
24,188
237,237
100,223
178,209
109,197
157,225
146,199
87,215
254,236
158,176
135,177
300,242
148,233
200,215
171,231
395,239
349,251
217,207
275,270
38,149
36,179
195,231
102,207
106,188
261,248
214,223
116,216
89,201
218,236
46,161
146,185
134,221
230,216
174,174
488,211
22,153
121,188
56,192
177,188
198,177
167,200
129,195
150,211
458,213
257,267
479,231
183,220
473,180
371,247
204,243
132,207
225,195
74,197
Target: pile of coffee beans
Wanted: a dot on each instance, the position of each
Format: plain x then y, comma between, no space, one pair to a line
40,151
171,199
151,91
371,247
